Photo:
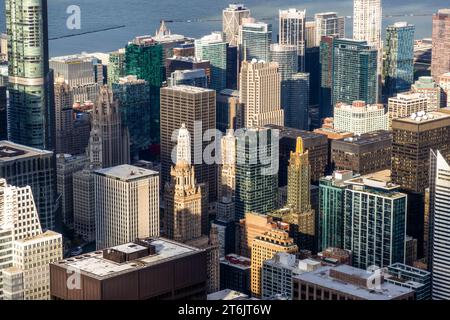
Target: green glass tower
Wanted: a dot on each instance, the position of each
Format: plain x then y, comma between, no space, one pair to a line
399,63
256,171
144,59
134,105
354,72
30,112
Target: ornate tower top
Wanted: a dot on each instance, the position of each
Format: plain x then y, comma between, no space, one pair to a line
183,146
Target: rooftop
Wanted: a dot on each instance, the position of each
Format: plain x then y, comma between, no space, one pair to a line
367,138
188,89
321,277
423,117
227,294
94,265
10,151
126,172
236,261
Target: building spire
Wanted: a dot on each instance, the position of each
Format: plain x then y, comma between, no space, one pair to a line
183,145
299,148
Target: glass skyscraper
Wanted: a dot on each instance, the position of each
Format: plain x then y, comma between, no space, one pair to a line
256,38
399,63
354,72
30,113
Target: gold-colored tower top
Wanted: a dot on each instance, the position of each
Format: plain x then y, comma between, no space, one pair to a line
299,148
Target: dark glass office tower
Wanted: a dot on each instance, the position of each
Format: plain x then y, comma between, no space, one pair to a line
30,115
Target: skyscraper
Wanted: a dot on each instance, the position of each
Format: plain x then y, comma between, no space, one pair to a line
354,72
405,104
37,169
440,227
196,108
184,198
144,58
328,24
440,62
428,88
126,205
256,171
292,29
30,112
399,63
214,48
372,240
326,77
63,116
367,15
116,66
133,96
26,251
232,20
3,114
255,40
195,78
84,204
260,92
109,140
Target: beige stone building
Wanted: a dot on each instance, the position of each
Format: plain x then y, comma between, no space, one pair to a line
405,104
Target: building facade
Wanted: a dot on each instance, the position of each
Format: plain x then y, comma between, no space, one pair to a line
292,30
440,63
232,20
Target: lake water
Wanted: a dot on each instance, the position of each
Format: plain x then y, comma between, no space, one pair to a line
143,16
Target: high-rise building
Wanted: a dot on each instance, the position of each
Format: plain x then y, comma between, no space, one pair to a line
409,277
405,104
116,66
256,171
363,154
66,166
79,72
184,198
328,24
196,108
109,143
187,63
195,78
264,247
235,273
332,210
232,67
144,58
286,57
133,96
367,16
232,20
63,116
292,30
278,272
439,225
37,170
214,48
255,39
30,111
230,111
124,272
344,282
326,51
360,118
399,63
440,62
26,251
260,92
84,204
427,87
375,222
227,169
310,34
3,114
444,83
354,72
126,204
3,47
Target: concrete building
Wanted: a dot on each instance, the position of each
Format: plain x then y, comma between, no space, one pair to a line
440,62
63,116
328,24
30,111
181,63
196,108
66,166
235,273
444,83
232,20
347,283
364,154
3,113
230,111
292,30
428,88
84,204
195,78
3,47
260,92
264,247
332,209
278,272
37,170
126,204
109,142
439,224
368,197
26,251
410,277
148,269
360,118
367,16
405,104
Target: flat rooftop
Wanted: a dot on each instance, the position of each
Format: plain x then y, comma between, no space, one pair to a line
227,294
236,261
188,89
94,265
292,133
321,277
126,172
10,151
367,138
422,117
